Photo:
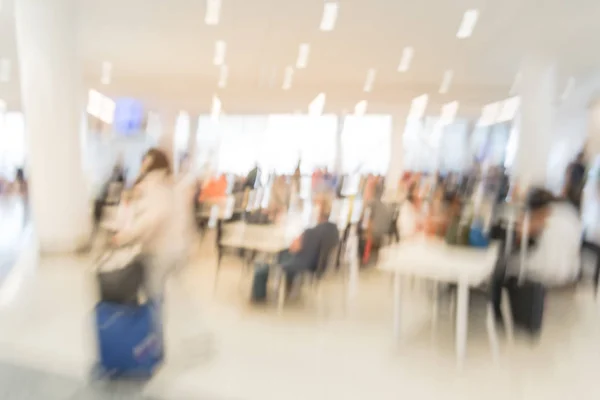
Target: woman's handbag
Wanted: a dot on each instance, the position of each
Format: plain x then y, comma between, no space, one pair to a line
120,275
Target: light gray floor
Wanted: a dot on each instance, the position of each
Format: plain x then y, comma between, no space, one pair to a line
22,383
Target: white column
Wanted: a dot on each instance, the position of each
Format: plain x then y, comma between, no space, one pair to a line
536,121
339,154
46,33
396,167
192,148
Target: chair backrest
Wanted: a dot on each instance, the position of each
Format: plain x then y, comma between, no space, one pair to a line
327,256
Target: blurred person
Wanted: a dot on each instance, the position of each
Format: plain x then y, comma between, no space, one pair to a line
575,180
279,197
214,189
370,185
252,178
378,225
154,226
590,214
409,222
538,204
305,251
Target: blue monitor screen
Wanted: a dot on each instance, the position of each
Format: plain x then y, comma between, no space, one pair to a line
129,116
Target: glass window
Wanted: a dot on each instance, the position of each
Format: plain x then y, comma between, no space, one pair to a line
12,143
366,144
235,144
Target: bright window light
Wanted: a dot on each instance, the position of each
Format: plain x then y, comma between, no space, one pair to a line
215,111
3,106
220,50
330,13
317,106
107,112
468,24
223,76
287,78
303,52
213,12
370,80
407,56
361,108
446,81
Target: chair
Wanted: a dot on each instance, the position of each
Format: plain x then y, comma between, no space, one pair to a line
326,262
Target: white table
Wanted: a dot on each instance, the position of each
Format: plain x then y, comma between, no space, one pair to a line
265,239
434,260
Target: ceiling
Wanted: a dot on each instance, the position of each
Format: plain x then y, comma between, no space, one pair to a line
162,51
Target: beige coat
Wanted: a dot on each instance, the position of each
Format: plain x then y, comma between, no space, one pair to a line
158,227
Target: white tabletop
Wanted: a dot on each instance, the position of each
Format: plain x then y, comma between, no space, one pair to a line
265,238
434,259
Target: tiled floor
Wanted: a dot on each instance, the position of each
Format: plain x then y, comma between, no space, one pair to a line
308,352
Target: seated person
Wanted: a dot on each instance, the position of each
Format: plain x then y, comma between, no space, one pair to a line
279,197
214,189
538,204
378,225
306,250
409,222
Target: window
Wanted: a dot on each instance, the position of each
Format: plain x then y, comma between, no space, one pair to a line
366,142
12,143
234,144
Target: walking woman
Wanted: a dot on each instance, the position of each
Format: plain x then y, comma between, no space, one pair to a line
155,227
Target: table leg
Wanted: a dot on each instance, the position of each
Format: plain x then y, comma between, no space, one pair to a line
397,304
462,320
435,307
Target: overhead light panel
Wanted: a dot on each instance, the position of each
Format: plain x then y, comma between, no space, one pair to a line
446,81
568,88
361,108
370,80
220,50
468,23
330,13
417,107
213,12
303,52
4,70
449,111
407,56
106,77
287,78
223,75
215,110
316,107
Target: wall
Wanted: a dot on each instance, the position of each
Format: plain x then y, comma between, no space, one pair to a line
103,151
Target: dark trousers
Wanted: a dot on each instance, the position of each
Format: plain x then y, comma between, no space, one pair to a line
290,267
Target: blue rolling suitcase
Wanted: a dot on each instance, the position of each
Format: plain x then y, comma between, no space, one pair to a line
129,339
